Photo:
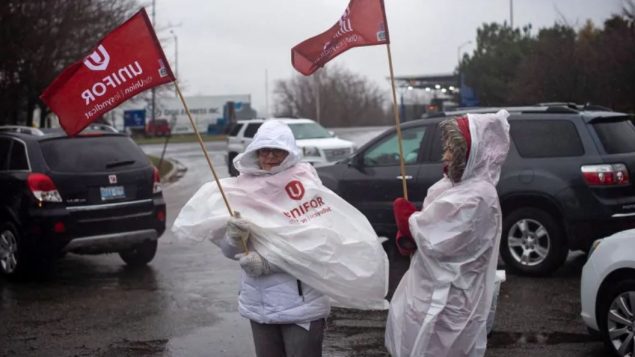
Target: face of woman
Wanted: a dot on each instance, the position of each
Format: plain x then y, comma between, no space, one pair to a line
269,158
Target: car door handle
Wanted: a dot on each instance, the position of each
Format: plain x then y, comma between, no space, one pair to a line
408,177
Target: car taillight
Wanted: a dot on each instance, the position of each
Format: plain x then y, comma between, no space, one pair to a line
156,178
43,188
605,175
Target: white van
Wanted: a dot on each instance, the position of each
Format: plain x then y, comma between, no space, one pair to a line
318,145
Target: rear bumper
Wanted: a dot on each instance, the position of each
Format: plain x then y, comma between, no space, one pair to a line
110,242
589,284
96,229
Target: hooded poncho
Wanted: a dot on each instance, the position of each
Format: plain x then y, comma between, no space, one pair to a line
297,224
441,305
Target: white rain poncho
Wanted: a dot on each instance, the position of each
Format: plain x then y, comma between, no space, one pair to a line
297,224
441,305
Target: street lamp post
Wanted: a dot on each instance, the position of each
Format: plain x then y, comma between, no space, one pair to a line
458,51
176,54
458,68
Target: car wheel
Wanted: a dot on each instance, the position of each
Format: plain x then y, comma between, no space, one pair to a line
532,242
230,164
141,254
9,249
616,318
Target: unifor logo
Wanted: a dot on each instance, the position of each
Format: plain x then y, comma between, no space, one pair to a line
98,60
295,190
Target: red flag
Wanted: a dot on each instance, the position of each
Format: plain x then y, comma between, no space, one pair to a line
129,60
363,24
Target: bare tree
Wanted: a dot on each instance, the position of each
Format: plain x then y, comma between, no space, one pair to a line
341,97
38,38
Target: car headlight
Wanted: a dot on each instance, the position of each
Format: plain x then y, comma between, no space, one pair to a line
594,246
310,151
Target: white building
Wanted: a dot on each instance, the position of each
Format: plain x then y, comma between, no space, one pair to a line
205,110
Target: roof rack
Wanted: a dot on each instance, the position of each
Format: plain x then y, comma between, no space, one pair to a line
577,107
547,107
22,129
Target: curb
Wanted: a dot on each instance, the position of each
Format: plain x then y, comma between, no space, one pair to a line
178,170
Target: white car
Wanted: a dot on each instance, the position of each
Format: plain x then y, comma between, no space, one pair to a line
318,145
608,292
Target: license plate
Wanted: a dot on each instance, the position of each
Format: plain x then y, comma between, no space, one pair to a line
112,193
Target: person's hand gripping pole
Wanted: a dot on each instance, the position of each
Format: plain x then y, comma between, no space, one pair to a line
238,231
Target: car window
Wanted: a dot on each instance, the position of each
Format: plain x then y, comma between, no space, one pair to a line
308,131
18,160
95,153
4,153
436,152
235,129
386,152
617,136
251,129
546,138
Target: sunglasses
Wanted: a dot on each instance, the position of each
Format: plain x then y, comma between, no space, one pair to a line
274,152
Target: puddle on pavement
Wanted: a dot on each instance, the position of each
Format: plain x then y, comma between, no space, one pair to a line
502,339
136,348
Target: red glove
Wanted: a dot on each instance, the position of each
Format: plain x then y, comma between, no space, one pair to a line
403,209
405,244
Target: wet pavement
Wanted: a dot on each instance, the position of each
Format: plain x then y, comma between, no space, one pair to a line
184,302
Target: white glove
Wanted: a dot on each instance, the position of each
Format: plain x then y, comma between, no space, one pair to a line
253,264
237,230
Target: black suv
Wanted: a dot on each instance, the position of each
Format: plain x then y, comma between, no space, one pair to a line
90,194
566,182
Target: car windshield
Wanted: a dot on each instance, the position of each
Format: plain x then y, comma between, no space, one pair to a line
309,131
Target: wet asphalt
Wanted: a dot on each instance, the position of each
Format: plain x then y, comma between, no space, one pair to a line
184,302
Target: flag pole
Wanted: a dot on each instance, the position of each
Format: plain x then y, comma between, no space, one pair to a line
402,168
209,162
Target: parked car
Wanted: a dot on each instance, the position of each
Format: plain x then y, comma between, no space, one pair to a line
318,145
93,193
566,180
607,292
158,127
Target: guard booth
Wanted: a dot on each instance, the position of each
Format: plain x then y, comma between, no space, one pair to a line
433,93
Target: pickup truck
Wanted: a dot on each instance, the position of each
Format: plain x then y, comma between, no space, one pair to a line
318,145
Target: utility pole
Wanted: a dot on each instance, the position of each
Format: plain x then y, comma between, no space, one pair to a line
511,13
266,94
153,90
176,59
317,96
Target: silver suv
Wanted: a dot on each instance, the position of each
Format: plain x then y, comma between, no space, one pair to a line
318,145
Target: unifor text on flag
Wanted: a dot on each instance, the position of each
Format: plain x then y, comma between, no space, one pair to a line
363,24
128,61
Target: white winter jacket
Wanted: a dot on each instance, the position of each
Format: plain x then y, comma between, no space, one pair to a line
277,297
441,305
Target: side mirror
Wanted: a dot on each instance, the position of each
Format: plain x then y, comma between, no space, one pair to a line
332,133
355,161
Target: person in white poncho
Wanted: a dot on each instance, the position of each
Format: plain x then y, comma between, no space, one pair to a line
307,248
441,305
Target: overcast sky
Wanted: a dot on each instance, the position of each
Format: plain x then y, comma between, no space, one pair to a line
227,46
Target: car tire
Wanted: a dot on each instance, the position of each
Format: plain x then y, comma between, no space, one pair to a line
230,164
10,250
140,255
532,242
614,315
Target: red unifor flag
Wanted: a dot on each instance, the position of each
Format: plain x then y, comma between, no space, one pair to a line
129,60
363,24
